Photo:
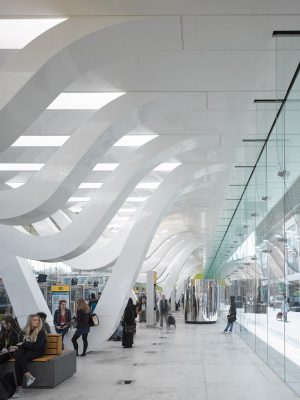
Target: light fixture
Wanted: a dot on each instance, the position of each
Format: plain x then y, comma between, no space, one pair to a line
21,166
75,209
83,101
78,199
147,185
105,167
134,140
40,141
15,185
17,33
90,185
137,199
167,167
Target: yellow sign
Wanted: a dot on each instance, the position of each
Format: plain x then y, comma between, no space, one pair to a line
63,288
154,276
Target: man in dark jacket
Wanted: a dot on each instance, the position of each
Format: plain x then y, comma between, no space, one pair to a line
163,310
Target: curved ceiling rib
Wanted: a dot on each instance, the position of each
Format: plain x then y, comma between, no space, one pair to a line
40,196
90,223
169,283
136,247
74,61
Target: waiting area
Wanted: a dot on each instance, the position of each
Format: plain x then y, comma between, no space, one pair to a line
186,362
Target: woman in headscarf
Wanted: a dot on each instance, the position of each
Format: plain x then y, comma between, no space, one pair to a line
129,325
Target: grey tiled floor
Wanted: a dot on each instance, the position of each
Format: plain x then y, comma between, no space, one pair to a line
189,362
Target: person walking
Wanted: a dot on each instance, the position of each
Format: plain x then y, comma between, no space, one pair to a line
163,310
83,313
285,308
33,346
142,310
231,317
62,319
93,302
129,324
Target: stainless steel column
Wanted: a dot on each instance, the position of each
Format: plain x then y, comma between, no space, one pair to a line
201,301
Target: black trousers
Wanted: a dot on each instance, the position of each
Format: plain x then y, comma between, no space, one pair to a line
22,356
75,337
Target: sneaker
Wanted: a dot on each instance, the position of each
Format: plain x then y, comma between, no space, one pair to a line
18,393
224,331
229,332
30,380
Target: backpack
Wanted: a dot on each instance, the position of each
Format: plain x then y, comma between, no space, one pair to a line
7,386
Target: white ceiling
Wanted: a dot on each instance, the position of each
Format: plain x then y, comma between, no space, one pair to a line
215,59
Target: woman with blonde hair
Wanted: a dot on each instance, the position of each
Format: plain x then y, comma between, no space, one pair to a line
83,313
33,346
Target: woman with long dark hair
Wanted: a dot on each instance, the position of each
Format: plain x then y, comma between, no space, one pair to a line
231,317
129,324
10,335
83,313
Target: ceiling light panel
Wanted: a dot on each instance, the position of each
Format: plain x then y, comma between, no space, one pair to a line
21,166
40,141
83,101
137,199
90,185
78,199
17,33
105,167
167,167
147,185
134,140
15,185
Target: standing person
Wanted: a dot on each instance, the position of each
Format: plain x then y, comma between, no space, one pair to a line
285,308
142,310
62,319
10,335
43,317
231,317
33,346
82,326
163,310
128,324
93,302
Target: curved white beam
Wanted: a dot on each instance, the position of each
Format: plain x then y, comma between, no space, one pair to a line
75,60
137,244
90,223
50,188
157,244
22,288
178,265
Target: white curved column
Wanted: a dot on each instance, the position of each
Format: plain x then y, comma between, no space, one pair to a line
164,254
132,256
170,281
75,60
22,288
90,223
50,188
157,243
189,270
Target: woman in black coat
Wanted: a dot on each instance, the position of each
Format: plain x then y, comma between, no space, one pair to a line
10,335
129,324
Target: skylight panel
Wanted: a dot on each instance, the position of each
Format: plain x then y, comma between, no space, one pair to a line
90,185
40,141
105,167
21,166
83,101
147,185
17,33
134,140
167,167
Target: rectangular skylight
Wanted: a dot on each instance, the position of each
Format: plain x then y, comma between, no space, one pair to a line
40,141
17,33
15,185
83,101
21,166
134,140
137,199
105,167
168,167
147,185
90,185
78,199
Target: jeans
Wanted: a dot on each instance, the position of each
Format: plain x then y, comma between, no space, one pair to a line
163,316
230,326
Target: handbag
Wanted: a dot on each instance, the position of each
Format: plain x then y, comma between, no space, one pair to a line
93,320
129,328
231,318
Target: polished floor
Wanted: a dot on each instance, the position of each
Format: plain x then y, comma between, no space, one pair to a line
189,362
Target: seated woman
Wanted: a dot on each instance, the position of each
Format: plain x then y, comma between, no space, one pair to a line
10,335
33,346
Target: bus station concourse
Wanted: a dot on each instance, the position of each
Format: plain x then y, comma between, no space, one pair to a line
150,199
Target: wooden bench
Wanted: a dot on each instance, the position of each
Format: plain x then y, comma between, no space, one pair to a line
54,367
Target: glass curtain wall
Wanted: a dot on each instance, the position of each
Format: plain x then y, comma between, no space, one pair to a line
258,259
